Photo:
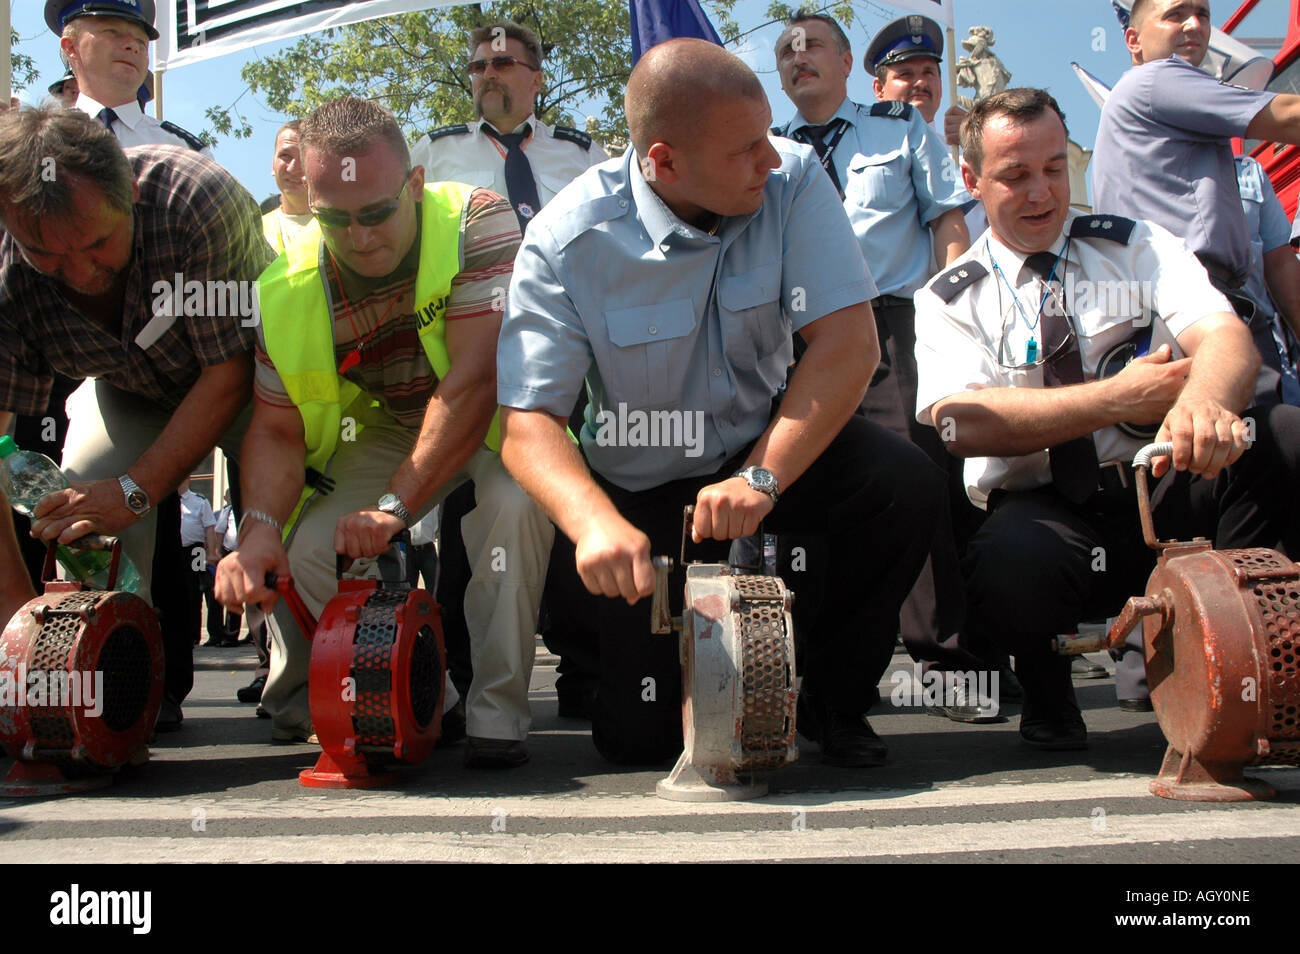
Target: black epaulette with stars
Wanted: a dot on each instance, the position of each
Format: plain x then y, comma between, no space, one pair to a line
948,285
456,129
569,134
1113,227
892,109
191,140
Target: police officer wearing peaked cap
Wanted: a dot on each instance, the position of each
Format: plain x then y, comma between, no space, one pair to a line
112,94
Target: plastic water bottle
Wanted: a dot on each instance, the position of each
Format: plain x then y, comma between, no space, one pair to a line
26,477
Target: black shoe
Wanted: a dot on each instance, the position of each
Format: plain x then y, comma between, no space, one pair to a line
262,713
1136,705
170,717
1054,736
253,691
495,753
1050,718
849,742
453,725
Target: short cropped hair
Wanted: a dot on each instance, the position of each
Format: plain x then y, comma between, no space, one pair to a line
47,152
1139,13
1022,103
802,16
351,124
293,125
512,31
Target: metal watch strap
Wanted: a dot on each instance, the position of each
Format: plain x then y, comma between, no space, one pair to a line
748,474
392,504
129,489
262,517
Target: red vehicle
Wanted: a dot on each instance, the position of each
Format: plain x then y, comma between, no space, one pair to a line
1273,28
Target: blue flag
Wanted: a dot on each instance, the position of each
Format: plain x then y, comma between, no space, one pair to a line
654,21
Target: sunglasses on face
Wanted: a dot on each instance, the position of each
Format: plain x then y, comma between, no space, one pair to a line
499,63
338,219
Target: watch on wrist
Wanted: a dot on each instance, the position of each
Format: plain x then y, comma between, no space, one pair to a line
137,501
391,503
762,480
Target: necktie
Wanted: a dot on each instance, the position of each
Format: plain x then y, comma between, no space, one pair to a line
519,175
107,117
1074,463
815,136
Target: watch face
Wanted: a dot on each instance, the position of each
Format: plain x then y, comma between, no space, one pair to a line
762,479
137,501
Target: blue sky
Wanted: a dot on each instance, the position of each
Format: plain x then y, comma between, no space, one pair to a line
1035,40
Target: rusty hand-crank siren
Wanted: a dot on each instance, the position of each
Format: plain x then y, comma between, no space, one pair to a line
738,678
1221,636
81,682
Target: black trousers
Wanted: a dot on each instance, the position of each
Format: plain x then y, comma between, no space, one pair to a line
1040,563
868,504
931,617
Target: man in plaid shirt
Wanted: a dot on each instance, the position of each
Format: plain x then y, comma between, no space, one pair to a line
134,269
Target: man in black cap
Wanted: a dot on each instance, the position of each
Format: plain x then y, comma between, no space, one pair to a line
106,45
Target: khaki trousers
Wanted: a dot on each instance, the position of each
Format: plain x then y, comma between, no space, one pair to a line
508,539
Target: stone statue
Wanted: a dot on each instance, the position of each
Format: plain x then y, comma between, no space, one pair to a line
982,71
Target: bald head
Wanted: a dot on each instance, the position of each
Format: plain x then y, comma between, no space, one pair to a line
677,84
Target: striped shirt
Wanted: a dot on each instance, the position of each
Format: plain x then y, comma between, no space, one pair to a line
193,223
393,368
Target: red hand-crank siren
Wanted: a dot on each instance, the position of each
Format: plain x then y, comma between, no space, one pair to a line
1221,637
376,683
81,683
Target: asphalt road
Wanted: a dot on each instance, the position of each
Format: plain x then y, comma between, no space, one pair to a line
218,791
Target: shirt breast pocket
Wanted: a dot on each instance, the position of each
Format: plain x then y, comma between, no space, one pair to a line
755,325
652,349
874,178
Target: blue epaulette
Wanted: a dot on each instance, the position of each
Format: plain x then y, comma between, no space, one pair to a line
191,140
1113,227
453,130
576,136
948,285
892,109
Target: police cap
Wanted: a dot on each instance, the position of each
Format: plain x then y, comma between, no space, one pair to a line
904,39
59,12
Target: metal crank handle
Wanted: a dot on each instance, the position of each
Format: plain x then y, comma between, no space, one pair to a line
283,584
1141,466
662,621
341,562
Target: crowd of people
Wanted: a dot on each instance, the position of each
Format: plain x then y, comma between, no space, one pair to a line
938,425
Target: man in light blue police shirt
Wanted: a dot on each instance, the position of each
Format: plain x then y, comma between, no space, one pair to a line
904,200
672,280
1164,151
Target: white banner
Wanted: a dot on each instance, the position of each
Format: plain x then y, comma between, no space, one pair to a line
190,31
937,10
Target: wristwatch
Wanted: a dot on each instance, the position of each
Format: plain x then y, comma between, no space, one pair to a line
762,480
137,501
391,503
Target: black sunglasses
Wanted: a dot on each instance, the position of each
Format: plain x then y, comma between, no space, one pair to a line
338,219
499,63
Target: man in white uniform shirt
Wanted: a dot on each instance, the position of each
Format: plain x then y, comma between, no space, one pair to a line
106,44
1048,354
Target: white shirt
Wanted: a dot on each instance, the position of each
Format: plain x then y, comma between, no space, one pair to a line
1108,287
281,228
476,158
196,517
133,128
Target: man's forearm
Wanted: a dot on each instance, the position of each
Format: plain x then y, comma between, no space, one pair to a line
271,479
1009,422
218,396
455,423
1224,366
825,390
545,463
951,237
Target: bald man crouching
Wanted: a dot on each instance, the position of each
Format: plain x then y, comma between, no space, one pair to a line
671,281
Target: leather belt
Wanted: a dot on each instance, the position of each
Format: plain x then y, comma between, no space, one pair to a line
891,301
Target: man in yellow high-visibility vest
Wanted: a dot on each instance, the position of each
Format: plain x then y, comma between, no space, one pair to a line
376,368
